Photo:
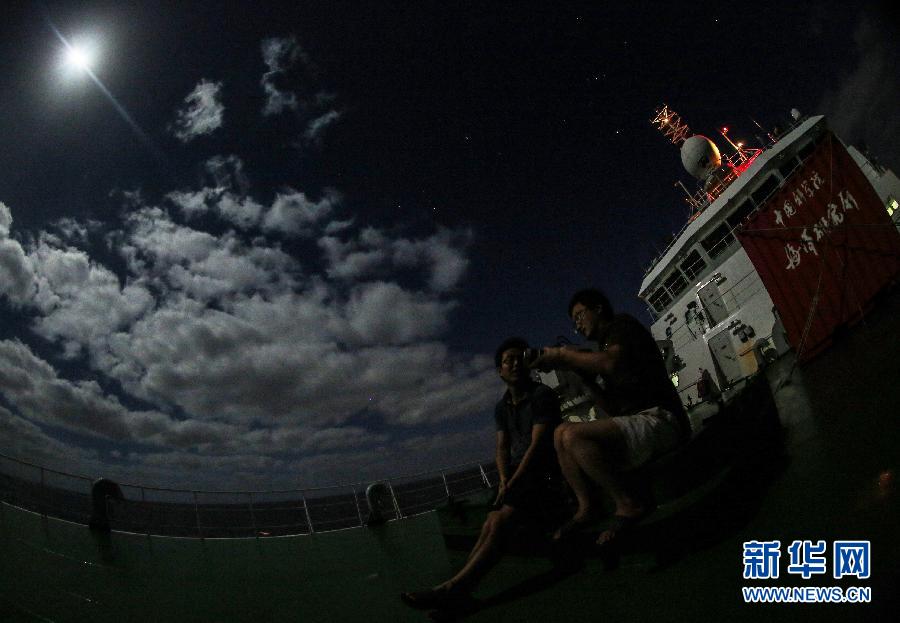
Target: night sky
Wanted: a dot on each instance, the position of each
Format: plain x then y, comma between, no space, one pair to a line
277,244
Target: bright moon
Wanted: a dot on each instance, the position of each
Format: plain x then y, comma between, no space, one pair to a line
78,57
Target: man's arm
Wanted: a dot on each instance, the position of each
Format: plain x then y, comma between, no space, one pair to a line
588,363
593,363
538,432
502,460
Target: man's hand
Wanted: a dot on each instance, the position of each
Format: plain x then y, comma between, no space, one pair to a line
584,361
501,492
551,357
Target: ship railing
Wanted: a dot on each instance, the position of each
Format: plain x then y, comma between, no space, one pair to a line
234,513
733,298
736,164
698,202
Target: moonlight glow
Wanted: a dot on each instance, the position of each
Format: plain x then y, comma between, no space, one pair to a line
79,58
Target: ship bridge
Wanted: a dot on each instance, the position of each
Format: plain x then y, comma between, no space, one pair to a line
707,238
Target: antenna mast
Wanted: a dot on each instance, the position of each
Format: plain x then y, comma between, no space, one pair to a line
670,124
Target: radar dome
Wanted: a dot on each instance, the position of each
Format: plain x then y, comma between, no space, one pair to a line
700,156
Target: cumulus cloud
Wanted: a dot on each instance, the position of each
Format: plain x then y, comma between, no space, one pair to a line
16,274
238,338
272,366
242,211
291,213
176,258
75,231
238,210
373,253
33,387
279,55
203,114
294,213
384,313
228,172
46,401
21,438
317,126
5,219
193,204
291,84
259,353
293,359
81,302
16,278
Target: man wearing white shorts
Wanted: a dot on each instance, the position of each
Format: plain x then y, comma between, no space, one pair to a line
632,386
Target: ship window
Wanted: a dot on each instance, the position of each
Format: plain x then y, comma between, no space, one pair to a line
806,151
717,241
892,206
660,300
740,214
765,189
788,167
693,265
676,283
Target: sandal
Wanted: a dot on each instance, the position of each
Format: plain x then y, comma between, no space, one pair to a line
433,599
570,528
618,528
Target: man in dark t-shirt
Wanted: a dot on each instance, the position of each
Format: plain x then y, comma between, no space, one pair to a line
525,419
633,387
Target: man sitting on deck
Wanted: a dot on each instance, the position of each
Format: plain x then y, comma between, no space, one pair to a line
525,419
634,388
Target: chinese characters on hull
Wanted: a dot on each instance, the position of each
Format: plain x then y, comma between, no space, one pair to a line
814,232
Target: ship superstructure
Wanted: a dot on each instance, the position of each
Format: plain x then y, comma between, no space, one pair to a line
710,307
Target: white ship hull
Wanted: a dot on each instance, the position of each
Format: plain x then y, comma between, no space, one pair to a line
712,310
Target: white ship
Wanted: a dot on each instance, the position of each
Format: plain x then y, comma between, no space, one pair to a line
710,306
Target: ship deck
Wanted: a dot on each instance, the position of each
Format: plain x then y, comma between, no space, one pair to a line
818,474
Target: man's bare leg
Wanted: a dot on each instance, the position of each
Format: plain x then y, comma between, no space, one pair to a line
594,446
571,471
589,450
485,553
482,537
594,450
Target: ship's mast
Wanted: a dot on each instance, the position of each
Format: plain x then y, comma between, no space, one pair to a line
673,128
670,124
701,158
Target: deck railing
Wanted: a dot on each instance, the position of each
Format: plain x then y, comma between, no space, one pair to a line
221,514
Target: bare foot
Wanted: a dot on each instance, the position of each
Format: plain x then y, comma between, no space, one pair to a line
441,596
578,521
622,523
